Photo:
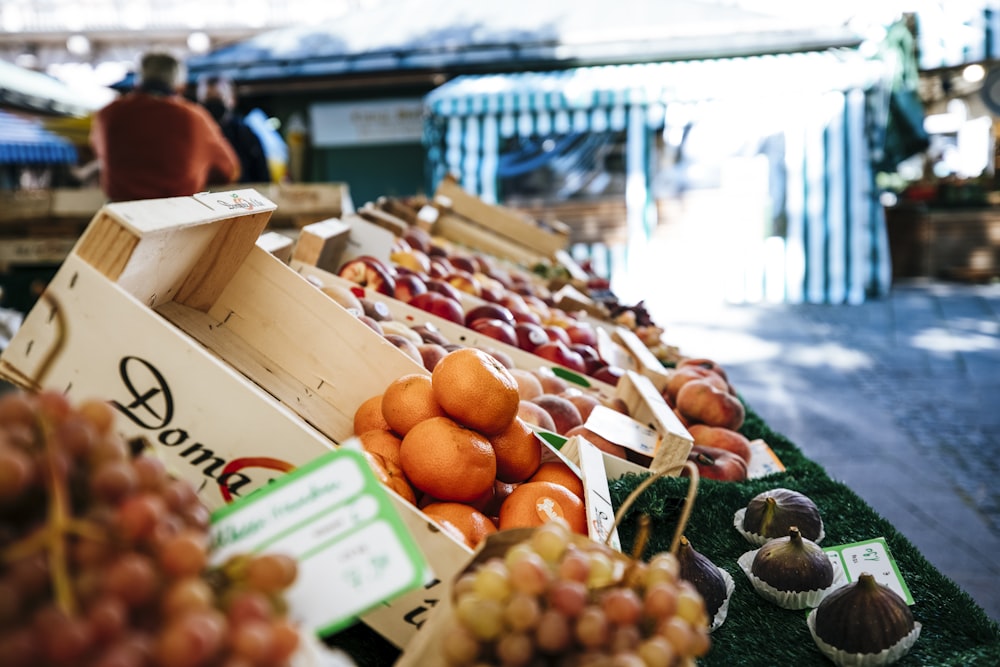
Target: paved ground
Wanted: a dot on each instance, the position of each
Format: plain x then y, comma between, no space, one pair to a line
899,398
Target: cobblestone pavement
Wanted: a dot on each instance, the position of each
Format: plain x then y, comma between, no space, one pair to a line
899,398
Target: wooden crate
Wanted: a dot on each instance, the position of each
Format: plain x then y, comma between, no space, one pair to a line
510,226
217,353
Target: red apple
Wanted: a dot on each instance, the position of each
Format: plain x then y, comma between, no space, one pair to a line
408,285
530,335
492,311
717,464
591,357
440,267
440,286
490,289
557,334
369,272
496,329
514,301
557,352
463,262
440,305
464,281
418,238
582,332
609,374
527,316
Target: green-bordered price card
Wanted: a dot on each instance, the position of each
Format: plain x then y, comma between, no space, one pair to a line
871,556
337,520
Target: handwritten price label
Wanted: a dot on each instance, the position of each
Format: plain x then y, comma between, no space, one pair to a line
353,549
871,556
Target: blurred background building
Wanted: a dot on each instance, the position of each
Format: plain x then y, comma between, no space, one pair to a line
790,127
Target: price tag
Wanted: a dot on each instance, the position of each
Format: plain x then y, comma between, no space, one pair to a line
763,460
871,556
336,519
600,511
623,430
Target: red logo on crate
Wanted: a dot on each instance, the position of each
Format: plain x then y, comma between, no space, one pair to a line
250,462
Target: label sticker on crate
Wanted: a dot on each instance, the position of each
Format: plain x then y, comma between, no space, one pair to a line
871,556
336,519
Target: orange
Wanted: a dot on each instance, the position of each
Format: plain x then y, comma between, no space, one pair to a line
448,461
518,450
560,473
369,416
476,390
533,503
391,475
463,522
409,400
385,443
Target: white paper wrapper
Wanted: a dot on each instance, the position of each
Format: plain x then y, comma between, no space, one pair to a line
720,616
845,659
759,540
788,599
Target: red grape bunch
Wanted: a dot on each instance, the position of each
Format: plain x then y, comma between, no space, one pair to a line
553,600
104,555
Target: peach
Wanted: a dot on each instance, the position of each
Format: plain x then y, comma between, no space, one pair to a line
528,386
701,402
600,442
536,415
680,376
406,346
431,353
551,383
721,438
563,412
584,402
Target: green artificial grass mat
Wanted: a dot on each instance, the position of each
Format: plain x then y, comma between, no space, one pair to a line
955,630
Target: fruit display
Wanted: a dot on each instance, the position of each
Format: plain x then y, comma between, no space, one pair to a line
454,444
863,622
104,556
542,597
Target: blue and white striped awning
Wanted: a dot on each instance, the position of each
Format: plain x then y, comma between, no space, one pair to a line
654,84
25,141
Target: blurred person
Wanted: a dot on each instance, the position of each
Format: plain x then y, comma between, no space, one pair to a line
152,142
216,94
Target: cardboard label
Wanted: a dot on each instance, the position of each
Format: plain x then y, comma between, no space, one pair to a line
336,519
368,238
763,460
622,430
871,556
597,496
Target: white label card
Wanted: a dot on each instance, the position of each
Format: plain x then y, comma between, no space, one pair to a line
336,519
622,430
600,511
871,556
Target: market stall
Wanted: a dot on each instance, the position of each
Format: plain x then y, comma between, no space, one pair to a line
248,378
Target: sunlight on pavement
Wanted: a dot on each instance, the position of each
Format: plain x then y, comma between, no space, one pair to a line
937,339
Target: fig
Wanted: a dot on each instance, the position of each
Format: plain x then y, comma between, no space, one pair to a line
863,617
793,563
771,513
703,573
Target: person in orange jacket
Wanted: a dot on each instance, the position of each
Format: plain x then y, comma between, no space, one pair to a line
153,143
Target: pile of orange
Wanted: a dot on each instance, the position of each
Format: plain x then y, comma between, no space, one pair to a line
452,443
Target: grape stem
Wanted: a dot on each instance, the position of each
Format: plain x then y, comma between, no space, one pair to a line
685,511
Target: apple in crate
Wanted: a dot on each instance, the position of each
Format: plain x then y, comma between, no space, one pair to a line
558,353
492,311
440,305
582,333
408,285
440,286
530,336
464,281
496,329
369,272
